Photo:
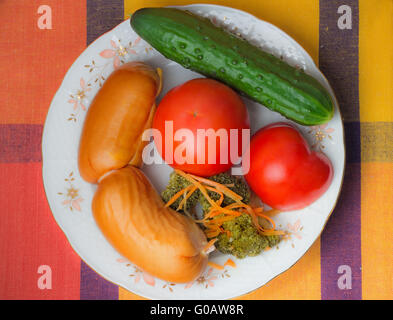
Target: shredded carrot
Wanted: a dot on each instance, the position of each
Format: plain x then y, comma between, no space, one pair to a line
254,216
234,206
249,209
209,245
177,196
212,213
215,265
228,192
213,233
219,202
263,231
272,232
230,263
255,221
187,195
228,233
272,212
199,186
261,215
190,178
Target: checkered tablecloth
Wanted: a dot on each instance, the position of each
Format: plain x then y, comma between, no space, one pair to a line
351,40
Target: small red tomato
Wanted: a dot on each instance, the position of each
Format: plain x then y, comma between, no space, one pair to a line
284,172
207,105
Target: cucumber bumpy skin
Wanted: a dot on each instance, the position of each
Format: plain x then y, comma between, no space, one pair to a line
197,44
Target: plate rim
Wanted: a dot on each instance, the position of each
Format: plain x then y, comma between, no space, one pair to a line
186,7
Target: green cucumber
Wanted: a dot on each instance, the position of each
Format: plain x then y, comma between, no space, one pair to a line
197,44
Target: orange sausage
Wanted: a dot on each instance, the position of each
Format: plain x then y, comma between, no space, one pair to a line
133,218
116,119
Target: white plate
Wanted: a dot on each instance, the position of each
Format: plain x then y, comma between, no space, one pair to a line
70,197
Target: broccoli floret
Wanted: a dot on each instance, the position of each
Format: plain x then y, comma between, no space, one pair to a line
239,187
175,184
244,239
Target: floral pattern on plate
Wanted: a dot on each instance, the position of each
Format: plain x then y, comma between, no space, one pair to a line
114,57
72,199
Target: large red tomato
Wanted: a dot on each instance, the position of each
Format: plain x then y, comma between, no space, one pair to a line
200,104
284,172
